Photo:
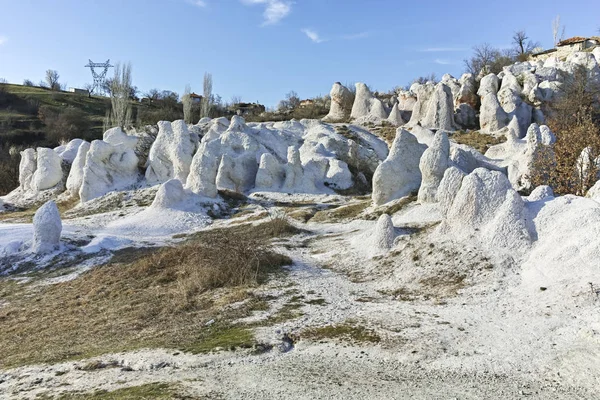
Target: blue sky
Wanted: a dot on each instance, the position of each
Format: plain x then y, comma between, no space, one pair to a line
262,49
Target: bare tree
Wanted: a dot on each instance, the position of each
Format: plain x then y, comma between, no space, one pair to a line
558,30
523,46
206,95
52,79
486,56
291,102
236,100
186,99
120,89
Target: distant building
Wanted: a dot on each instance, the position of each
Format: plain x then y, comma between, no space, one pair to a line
568,46
78,91
246,109
196,98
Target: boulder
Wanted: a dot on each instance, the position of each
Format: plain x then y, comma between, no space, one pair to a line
424,93
49,171
69,151
270,173
293,170
203,172
341,103
169,195
171,153
27,168
440,111
338,175
492,116
384,234
465,116
540,193
75,178
489,85
467,93
116,136
399,175
433,164
47,228
395,117
448,188
237,174
108,168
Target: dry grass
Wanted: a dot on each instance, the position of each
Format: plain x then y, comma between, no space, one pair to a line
348,331
342,213
148,391
150,298
479,141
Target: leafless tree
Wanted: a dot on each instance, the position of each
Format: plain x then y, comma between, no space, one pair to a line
523,46
558,30
52,79
485,55
186,99
206,95
120,93
236,100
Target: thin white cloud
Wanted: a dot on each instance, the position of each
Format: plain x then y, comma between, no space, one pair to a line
442,49
3,39
198,3
313,35
355,36
275,10
443,62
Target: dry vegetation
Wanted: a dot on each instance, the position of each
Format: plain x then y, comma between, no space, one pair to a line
350,331
144,298
479,141
342,213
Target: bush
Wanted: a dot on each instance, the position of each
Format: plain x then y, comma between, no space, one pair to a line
64,125
9,170
569,166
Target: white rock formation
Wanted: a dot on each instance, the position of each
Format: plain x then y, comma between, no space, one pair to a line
108,168
27,168
433,164
487,203
395,117
68,152
338,175
47,228
467,94
49,170
270,173
440,111
448,188
293,170
424,93
399,174
492,116
203,176
169,195
172,152
75,178
543,192
384,234
237,174
340,103
366,106
116,136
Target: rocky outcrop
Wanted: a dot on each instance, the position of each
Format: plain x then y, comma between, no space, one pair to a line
172,152
424,93
108,168
440,111
384,234
48,172
75,178
170,194
433,164
395,117
341,103
47,228
399,175
448,188
27,167
270,173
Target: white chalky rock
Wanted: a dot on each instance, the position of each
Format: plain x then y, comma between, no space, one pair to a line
172,152
108,168
489,84
270,173
169,194
395,117
596,54
116,136
548,137
433,164
203,175
509,97
448,188
47,228
452,83
75,178
366,105
508,230
440,112
384,234
424,93
27,168
338,175
467,93
293,170
237,174
486,202
586,60
399,174
543,192
49,170
340,103
594,192
69,151
491,115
